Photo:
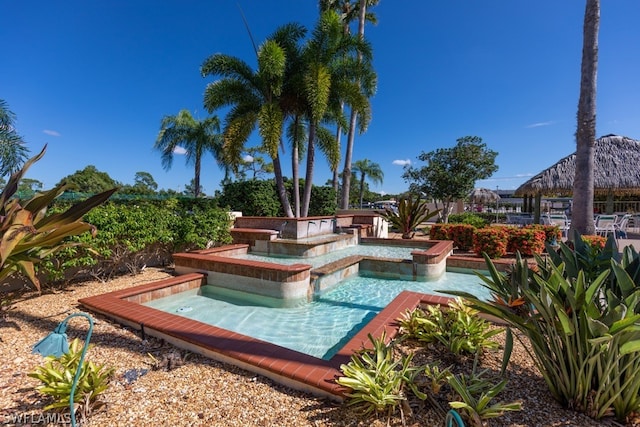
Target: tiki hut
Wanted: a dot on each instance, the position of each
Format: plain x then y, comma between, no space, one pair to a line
616,171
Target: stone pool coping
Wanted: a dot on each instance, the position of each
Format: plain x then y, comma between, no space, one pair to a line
285,366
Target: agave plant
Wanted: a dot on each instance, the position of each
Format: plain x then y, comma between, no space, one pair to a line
411,213
28,234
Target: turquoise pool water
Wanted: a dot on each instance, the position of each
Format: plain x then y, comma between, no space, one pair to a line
378,251
318,328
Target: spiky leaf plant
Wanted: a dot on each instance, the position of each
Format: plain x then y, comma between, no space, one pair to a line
28,234
411,213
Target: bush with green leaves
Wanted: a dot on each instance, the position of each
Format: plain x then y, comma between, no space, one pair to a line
580,311
468,218
458,328
132,234
57,376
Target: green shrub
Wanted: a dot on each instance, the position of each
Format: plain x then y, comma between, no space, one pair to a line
491,240
323,201
252,198
468,218
57,376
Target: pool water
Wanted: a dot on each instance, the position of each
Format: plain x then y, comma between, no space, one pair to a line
378,251
318,328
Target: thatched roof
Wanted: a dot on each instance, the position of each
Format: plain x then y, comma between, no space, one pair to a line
481,195
616,170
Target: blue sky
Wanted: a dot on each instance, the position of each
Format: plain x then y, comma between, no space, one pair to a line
93,79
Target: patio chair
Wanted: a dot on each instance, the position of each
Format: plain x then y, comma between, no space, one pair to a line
605,224
620,226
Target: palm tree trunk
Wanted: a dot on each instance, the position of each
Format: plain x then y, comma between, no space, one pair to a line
361,189
308,180
282,192
295,155
196,178
582,215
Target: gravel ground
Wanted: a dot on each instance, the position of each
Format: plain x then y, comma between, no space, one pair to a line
202,392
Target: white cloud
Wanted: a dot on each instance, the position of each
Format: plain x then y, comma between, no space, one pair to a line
248,158
402,162
179,150
51,132
540,124
523,175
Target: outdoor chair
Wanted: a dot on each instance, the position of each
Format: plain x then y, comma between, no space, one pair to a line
605,224
620,226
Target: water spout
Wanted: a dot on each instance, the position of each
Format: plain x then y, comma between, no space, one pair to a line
284,224
321,221
308,224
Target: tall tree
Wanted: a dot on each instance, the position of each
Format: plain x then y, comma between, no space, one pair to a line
346,173
350,11
367,169
326,83
88,180
256,99
582,214
196,137
451,173
13,152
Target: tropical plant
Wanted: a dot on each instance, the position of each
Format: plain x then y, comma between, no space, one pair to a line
28,234
410,214
58,374
440,231
194,137
552,232
458,328
255,98
491,240
582,211
13,152
451,173
477,391
367,169
581,316
377,382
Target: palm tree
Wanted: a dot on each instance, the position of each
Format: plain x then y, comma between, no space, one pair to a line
257,98
13,152
582,217
349,12
194,136
367,168
363,16
326,83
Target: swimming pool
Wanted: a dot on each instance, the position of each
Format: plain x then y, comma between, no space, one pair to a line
317,328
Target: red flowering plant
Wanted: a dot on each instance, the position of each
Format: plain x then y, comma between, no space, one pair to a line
552,232
596,242
440,232
462,235
491,240
527,241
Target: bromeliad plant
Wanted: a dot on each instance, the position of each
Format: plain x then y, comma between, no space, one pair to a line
411,213
377,381
57,376
28,234
580,312
458,328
